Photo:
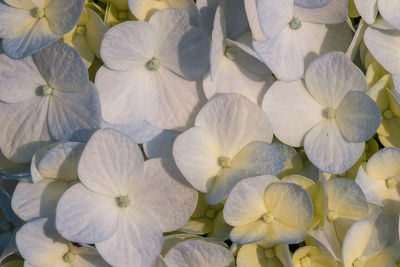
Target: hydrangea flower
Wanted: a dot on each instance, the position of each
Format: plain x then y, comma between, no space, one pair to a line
117,11
157,72
121,196
229,142
235,67
264,254
264,209
41,246
331,116
44,98
384,46
54,169
379,179
364,244
86,36
295,35
28,26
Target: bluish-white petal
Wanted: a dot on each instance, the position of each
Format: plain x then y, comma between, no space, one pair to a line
62,16
111,163
83,216
328,150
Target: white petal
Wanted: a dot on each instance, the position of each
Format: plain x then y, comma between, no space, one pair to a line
161,145
292,111
89,257
33,201
20,79
140,132
283,54
384,163
331,76
252,16
141,248
111,163
274,18
358,117
165,194
373,189
15,21
287,201
333,12
254,232
245,203
26,126
62,68
368,9
198,253
86,217
178,101
311,3
385,47
38,37
61,161
127,97
63,16
327,149
259,158
356,241
183,49
128,45
40,244
234,77
95,31
223,184
389,10
218,46
74,116
196,155
234,121
346,198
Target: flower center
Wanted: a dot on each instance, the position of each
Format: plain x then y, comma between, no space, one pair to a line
269,253
153,64
69,257
81,30
37,13
328,113
388,114
47,90
231,52
295,24
332,216
123,14
391,183
224,162
305,261
358,263
123,201
210,213
268,218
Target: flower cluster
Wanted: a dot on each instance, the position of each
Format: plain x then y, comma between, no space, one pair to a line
209,133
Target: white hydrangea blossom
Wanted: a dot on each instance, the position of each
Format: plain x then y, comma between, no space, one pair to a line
44,98
30,25
157,72
331,116
119,196
230,141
